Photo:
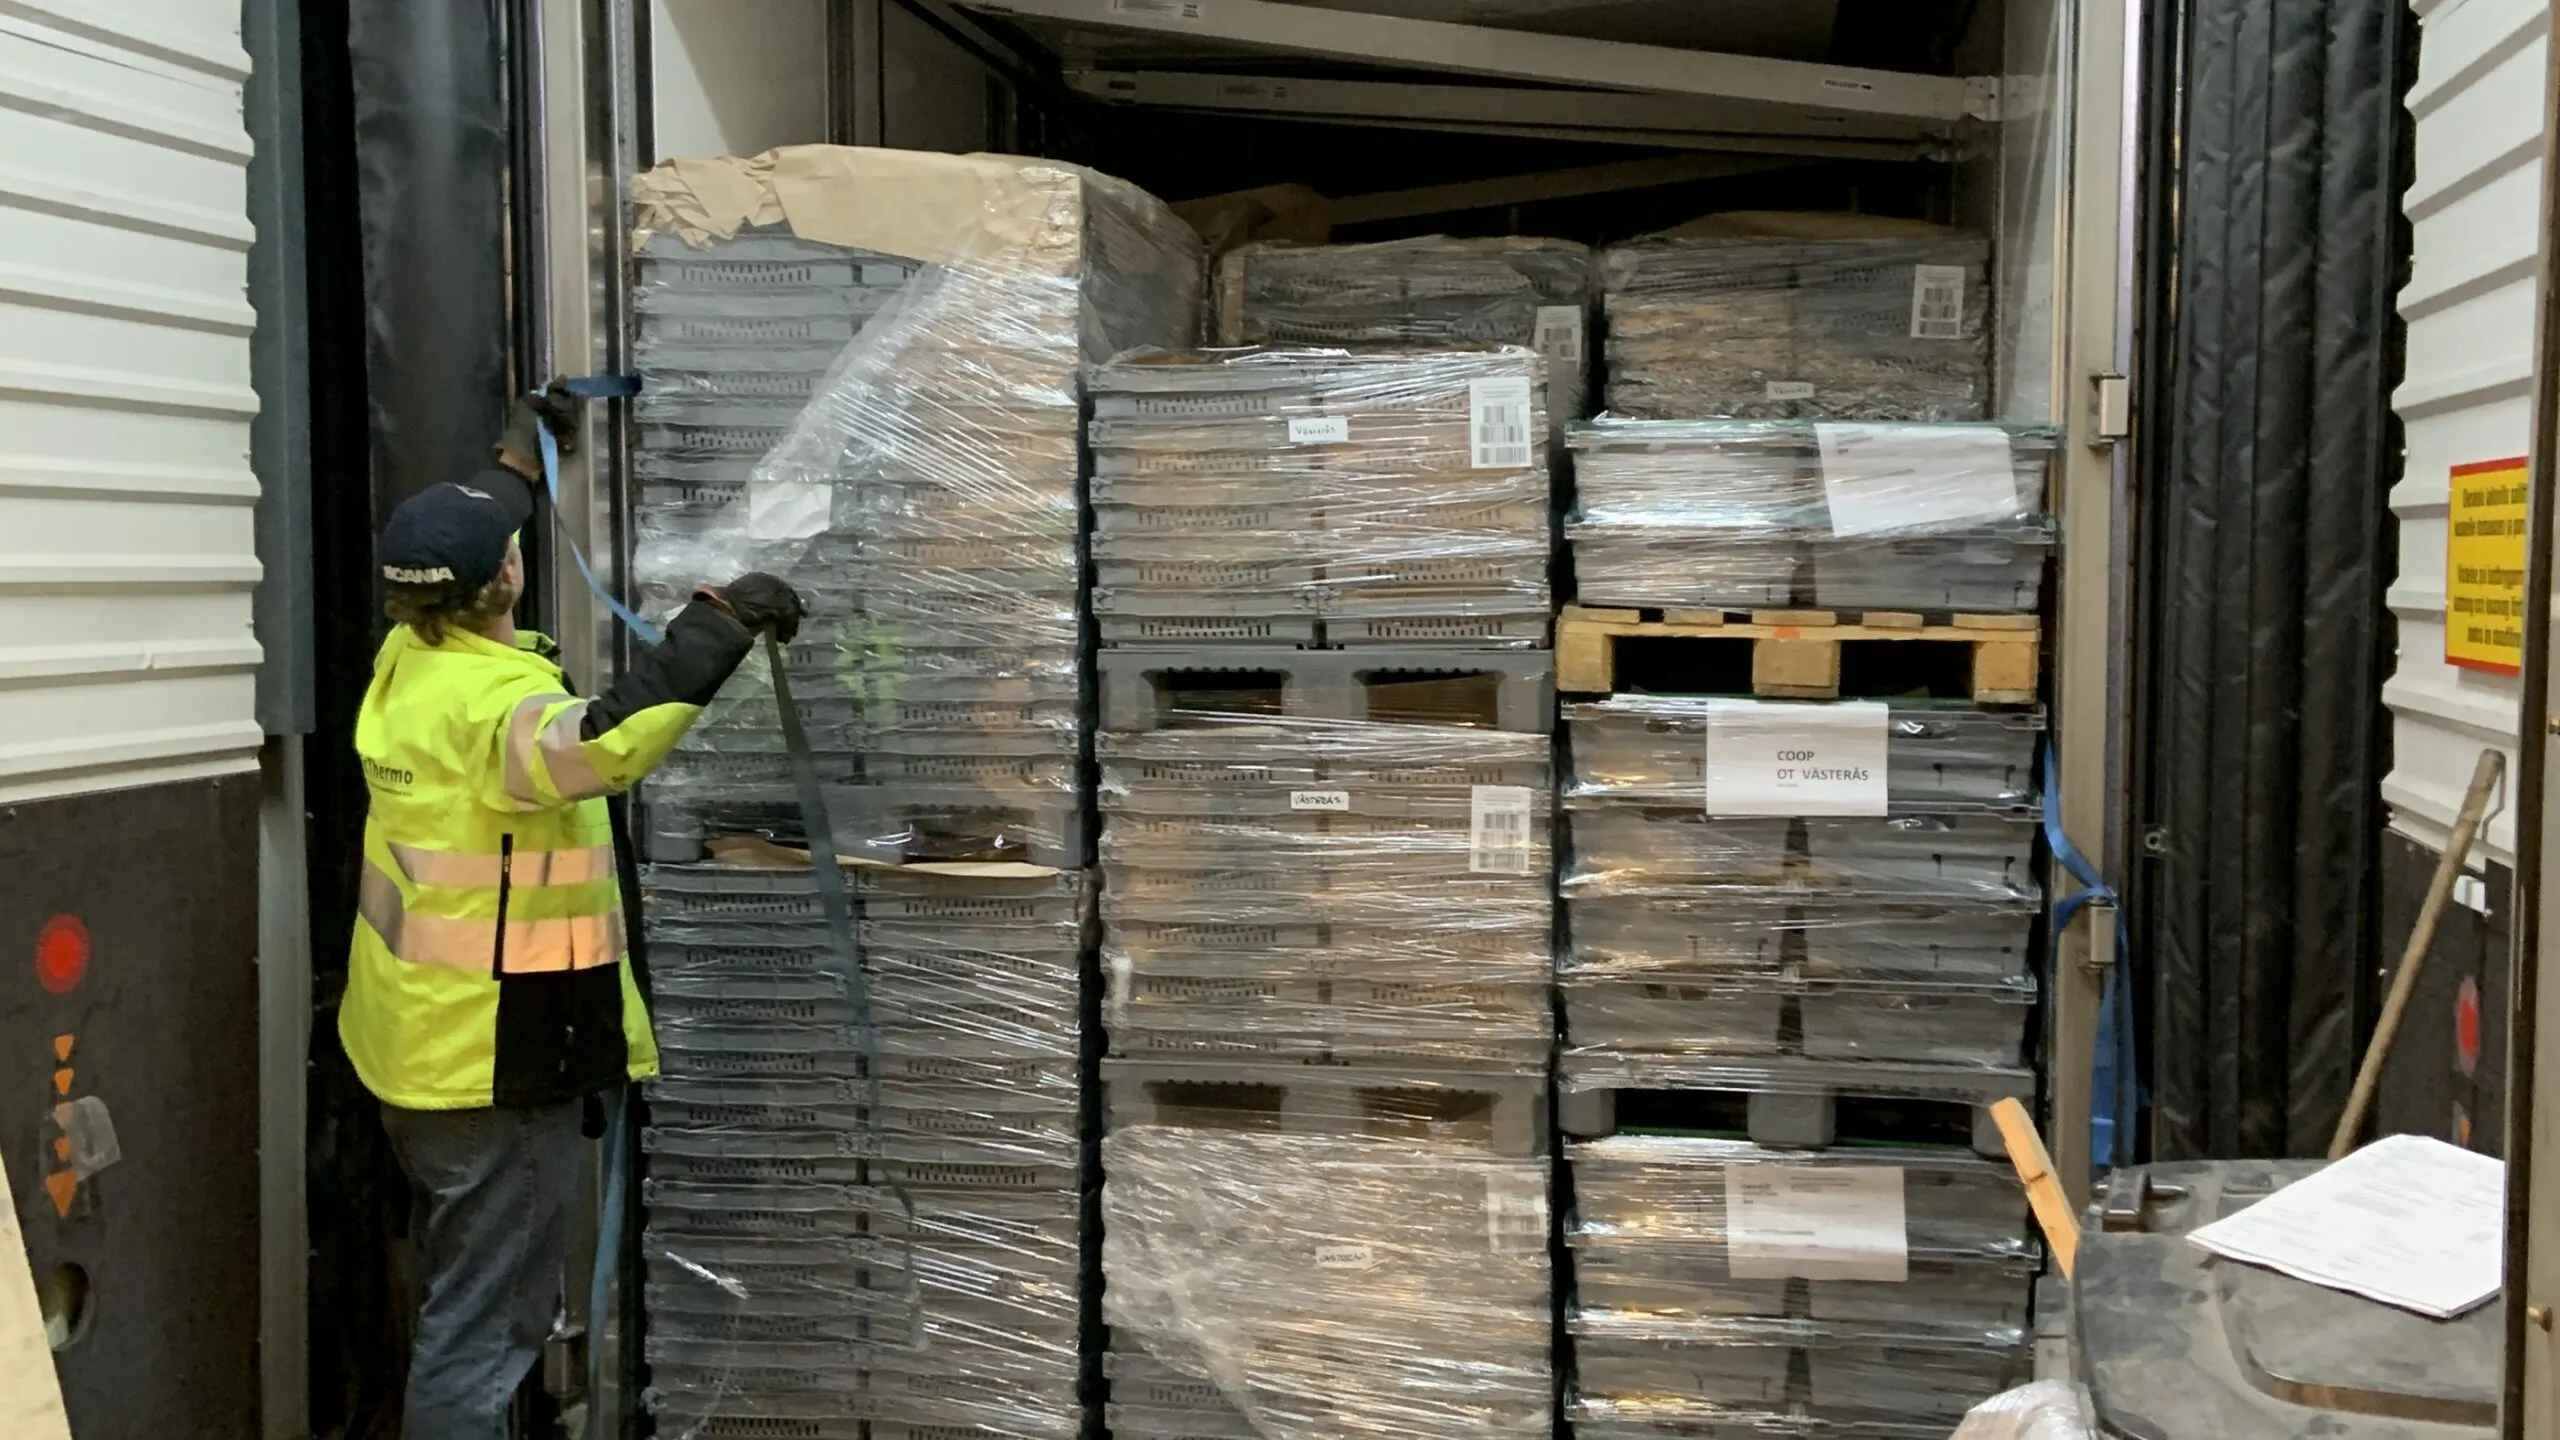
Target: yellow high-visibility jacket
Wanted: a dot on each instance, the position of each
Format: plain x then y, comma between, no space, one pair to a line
488,963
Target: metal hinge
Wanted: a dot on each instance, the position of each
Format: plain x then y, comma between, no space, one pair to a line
1982,97
2110,407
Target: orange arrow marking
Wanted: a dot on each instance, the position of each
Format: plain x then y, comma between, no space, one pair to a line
62,1048
62,1081
62,1148
64,1187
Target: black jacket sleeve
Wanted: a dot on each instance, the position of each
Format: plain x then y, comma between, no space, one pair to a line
703,647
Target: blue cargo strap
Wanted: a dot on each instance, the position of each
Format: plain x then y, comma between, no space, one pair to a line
2115,1087
591,387
615,1167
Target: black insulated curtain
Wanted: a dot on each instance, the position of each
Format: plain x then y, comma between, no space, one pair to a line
2260,738
431,157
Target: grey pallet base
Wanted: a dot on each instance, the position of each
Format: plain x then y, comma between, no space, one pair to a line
1516,691
1508,1112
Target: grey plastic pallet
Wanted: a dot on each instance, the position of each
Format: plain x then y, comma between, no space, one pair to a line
1791,1104
1140,688
1507,1112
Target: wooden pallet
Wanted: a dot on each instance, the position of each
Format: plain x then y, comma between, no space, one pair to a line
1795,654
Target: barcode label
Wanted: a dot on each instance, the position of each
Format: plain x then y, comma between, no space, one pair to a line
1559,334
1498,423
1320,430
1337,800
1790,389
1161,9
1937,302
1498,830
1515,1214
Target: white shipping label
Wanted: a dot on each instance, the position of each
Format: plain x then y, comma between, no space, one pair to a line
1335,800
1880,478
1347,1255
1559,334
1515,1213
1498,830
1765,758
1188,10
1790,389
1498,423
1817,1222
789,509
1937,302
1320,430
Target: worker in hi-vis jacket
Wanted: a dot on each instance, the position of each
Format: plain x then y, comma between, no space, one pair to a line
487,998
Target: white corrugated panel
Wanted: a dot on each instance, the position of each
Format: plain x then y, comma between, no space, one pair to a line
2475,210
126,552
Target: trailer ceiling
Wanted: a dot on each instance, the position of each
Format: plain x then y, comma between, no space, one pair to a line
1780,29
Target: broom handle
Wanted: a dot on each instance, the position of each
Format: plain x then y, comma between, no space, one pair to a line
2484,780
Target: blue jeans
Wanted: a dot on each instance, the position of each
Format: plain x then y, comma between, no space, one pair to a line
494,1188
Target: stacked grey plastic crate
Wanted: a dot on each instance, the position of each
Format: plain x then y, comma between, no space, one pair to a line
1326,852
1436,290
870,1221
1321,497
1804,923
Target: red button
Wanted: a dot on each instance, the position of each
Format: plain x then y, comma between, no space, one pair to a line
62,954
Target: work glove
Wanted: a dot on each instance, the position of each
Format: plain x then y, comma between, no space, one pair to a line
761,602
553,409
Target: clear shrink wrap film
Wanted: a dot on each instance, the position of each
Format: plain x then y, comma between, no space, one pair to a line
2043,1410
1667,1195
1763,329
1328,890
1938,1022
864,1217
1430,291
1680,936
1708,1368
1325,1286
1622,847
1940,755
1597,1419
900,439
1754,514
1388,497
1959,799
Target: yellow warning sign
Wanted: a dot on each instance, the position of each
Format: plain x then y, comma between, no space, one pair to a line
2484,567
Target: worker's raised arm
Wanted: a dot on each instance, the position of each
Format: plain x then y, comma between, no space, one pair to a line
560,750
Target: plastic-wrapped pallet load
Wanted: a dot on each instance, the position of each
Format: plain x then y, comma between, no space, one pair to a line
1718,1282
861,1218
1702,927
1321,497
1774,911
1857,516
1425,292
1751,327
1328,951
1281,889
909,460
1306,1287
